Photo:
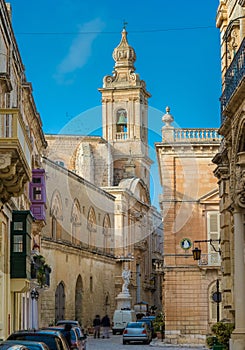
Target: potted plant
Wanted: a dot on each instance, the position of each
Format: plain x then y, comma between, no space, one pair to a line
159,326
221,335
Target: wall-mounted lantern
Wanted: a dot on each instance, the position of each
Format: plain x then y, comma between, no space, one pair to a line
196,252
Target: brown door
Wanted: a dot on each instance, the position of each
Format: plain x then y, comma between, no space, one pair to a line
60,302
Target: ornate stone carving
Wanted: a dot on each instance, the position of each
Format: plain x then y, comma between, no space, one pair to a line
240,187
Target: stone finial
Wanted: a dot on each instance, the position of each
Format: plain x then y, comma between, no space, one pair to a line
124,55
167,117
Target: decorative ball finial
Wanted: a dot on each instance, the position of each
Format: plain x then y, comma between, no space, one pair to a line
167,117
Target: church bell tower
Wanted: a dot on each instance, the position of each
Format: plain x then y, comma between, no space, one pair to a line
125,116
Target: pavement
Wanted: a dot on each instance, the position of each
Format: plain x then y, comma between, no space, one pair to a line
160,343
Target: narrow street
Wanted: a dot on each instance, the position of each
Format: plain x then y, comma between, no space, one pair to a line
115,343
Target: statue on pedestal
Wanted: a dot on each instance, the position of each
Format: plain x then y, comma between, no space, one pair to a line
126,278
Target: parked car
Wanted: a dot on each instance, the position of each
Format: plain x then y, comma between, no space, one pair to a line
81,335
31,345
55,340
137,332
148,320
9,346
77,338
72,322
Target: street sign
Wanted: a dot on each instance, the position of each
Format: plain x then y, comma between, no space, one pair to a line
216,297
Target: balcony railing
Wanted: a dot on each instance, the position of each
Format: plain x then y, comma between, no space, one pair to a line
233,77
192,135
13,131
121,136
212,259
15,152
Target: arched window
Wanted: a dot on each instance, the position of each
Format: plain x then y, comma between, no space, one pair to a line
213,305
121,123
108,237
56,211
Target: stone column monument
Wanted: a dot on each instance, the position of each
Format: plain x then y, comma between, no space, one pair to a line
124,298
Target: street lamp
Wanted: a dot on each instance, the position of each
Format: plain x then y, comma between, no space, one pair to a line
34,294
196,252
226,36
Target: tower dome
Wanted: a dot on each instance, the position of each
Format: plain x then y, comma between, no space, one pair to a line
124,55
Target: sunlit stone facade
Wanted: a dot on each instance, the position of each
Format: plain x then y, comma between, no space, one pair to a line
189,205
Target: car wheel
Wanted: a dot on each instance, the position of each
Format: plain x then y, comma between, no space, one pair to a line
124,342
114,332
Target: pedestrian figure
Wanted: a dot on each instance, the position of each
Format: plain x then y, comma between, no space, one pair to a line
106,324
96,325
67,333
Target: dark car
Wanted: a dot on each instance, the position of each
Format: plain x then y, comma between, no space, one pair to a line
137,332
72,322
76,338
55,340
148,320
9,346
31,345
81,335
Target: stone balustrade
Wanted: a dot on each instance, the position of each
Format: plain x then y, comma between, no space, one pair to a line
190,135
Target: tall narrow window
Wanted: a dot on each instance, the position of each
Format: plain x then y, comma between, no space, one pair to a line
213,232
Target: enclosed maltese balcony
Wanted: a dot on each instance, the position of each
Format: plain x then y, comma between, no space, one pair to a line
15,154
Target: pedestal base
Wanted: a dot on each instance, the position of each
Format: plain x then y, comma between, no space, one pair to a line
123,301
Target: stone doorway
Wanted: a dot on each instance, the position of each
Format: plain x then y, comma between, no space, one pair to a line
79,299
60,302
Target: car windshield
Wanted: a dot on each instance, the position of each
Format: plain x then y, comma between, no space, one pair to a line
53,343
146,321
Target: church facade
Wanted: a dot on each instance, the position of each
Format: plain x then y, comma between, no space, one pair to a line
100,220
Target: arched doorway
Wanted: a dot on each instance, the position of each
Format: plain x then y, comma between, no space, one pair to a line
60,302
78,299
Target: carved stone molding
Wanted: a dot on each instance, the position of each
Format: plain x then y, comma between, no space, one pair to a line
240,180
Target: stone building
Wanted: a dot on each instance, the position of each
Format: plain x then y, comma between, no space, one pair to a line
230,161
190,210
21,145
100,220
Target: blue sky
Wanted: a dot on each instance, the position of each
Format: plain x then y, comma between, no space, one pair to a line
66,47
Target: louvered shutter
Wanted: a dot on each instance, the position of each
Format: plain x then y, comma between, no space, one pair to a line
213,232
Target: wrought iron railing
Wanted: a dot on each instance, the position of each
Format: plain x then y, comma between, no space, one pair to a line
233,76
212,259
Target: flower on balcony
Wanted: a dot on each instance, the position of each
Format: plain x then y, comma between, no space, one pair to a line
40,271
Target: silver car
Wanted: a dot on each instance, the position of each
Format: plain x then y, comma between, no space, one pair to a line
137,332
